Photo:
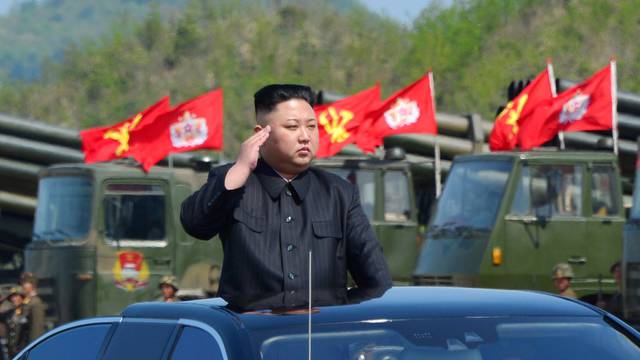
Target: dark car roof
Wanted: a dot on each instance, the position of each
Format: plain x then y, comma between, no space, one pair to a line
397,303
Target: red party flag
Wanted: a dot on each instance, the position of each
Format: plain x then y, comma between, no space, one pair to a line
409,110
113,142
339,122
194,124
504,135
588,106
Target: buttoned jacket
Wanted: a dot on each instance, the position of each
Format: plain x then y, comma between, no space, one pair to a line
268,226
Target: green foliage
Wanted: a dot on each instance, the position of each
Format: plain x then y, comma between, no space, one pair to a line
475,48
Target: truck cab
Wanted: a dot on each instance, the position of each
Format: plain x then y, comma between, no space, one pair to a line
105,234
505,219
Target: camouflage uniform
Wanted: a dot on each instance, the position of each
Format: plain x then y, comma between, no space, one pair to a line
564,270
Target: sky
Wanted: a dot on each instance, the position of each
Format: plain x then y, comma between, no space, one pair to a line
404,11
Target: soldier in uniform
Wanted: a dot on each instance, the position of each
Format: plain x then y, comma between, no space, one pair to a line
562,274
16,336
33,306
169,288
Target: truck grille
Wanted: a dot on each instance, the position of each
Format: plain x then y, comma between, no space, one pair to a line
433,280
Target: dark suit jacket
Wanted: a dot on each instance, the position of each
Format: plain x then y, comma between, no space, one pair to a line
268,226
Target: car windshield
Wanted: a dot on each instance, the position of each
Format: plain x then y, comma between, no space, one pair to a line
471,196
472,338
64,208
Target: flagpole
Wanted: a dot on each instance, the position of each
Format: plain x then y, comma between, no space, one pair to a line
614,105
554,93
437,166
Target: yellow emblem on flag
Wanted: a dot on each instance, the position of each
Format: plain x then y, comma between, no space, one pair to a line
513,114
122,134
334,123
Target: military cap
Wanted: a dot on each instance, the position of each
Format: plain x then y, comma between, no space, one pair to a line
562,270
28,277
169,280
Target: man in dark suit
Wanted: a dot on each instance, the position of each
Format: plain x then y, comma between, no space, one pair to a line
271,208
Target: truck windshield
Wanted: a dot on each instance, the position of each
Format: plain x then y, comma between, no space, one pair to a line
134,212
64,208
471,196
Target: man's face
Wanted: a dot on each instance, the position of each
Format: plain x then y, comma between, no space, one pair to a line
16,299
27,287
293,140
167,290
561,284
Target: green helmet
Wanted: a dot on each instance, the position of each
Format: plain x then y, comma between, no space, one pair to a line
562,270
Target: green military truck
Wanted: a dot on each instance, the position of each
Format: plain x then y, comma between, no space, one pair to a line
504,219
105,234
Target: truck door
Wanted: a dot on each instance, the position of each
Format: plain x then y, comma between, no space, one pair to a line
135,250
546,225
604,226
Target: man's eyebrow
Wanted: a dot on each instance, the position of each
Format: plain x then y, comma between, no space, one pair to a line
298,120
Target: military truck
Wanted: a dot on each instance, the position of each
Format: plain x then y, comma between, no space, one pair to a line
105,234
504,219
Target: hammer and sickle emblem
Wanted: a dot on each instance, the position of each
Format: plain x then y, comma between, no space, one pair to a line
334,123
514,113
121,135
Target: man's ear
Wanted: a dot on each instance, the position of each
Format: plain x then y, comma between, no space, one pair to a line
257,128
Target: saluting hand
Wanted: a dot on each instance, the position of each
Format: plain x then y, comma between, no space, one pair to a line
247,159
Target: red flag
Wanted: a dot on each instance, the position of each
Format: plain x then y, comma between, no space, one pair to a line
504,135
194,124
338,122
113,142
409,110
584,107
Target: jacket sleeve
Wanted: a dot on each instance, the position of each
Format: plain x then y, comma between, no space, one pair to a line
365,260
206,211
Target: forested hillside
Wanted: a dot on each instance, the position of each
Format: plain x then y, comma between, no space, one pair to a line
37,29
475,47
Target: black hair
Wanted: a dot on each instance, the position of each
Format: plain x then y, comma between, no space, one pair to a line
267,98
